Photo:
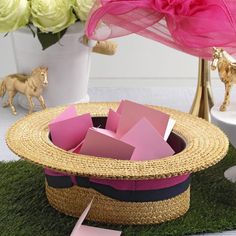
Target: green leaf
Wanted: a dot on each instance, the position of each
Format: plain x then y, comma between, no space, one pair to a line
48,39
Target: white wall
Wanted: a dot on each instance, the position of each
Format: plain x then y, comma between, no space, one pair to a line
7,64
137,57
140,57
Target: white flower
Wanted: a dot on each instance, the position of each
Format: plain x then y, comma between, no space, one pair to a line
82,8
13,14
52,15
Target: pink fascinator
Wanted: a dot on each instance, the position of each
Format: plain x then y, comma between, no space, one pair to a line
192,26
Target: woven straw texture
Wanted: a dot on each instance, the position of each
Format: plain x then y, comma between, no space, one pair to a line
73,201
205,146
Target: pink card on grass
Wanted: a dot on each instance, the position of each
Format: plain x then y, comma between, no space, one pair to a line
68,130
95,231
103,143
148,143
112,120
84,230
132,112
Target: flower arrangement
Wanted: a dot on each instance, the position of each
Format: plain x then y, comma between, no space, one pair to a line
49,19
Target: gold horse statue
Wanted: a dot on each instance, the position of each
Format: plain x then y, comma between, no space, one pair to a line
30,85
226,65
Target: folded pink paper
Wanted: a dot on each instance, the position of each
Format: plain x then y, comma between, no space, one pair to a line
84,230
112,120
81,219
132,112
103,143
148,143
68,130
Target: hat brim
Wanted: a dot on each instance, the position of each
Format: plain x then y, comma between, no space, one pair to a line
205,146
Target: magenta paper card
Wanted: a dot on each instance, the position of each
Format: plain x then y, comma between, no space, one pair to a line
68,133
148,143
132,112
103,143
83,230
112,120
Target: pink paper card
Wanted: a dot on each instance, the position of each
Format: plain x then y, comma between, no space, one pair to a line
103,143
148,143
121,107
132,112
84,230
83,216
68,113
68,133
112,120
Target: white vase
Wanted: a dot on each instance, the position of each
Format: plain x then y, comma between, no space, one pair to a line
68,62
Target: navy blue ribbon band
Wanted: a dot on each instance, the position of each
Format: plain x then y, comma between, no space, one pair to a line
59,181
121,195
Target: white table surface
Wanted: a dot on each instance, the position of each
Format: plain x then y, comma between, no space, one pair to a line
228,116
178,98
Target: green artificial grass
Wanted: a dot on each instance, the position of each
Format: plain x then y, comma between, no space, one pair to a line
24,210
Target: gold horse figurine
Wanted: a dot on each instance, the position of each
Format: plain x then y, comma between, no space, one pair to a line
30,85
226,65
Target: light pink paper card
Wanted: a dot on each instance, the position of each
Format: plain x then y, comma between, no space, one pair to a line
121,107
112,120
69,112
148,143
81,219
84,230
103,143
67,134
132,112
83,216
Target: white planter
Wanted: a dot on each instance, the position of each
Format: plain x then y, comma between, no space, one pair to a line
68,62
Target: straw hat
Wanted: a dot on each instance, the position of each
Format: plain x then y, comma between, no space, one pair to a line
198,145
